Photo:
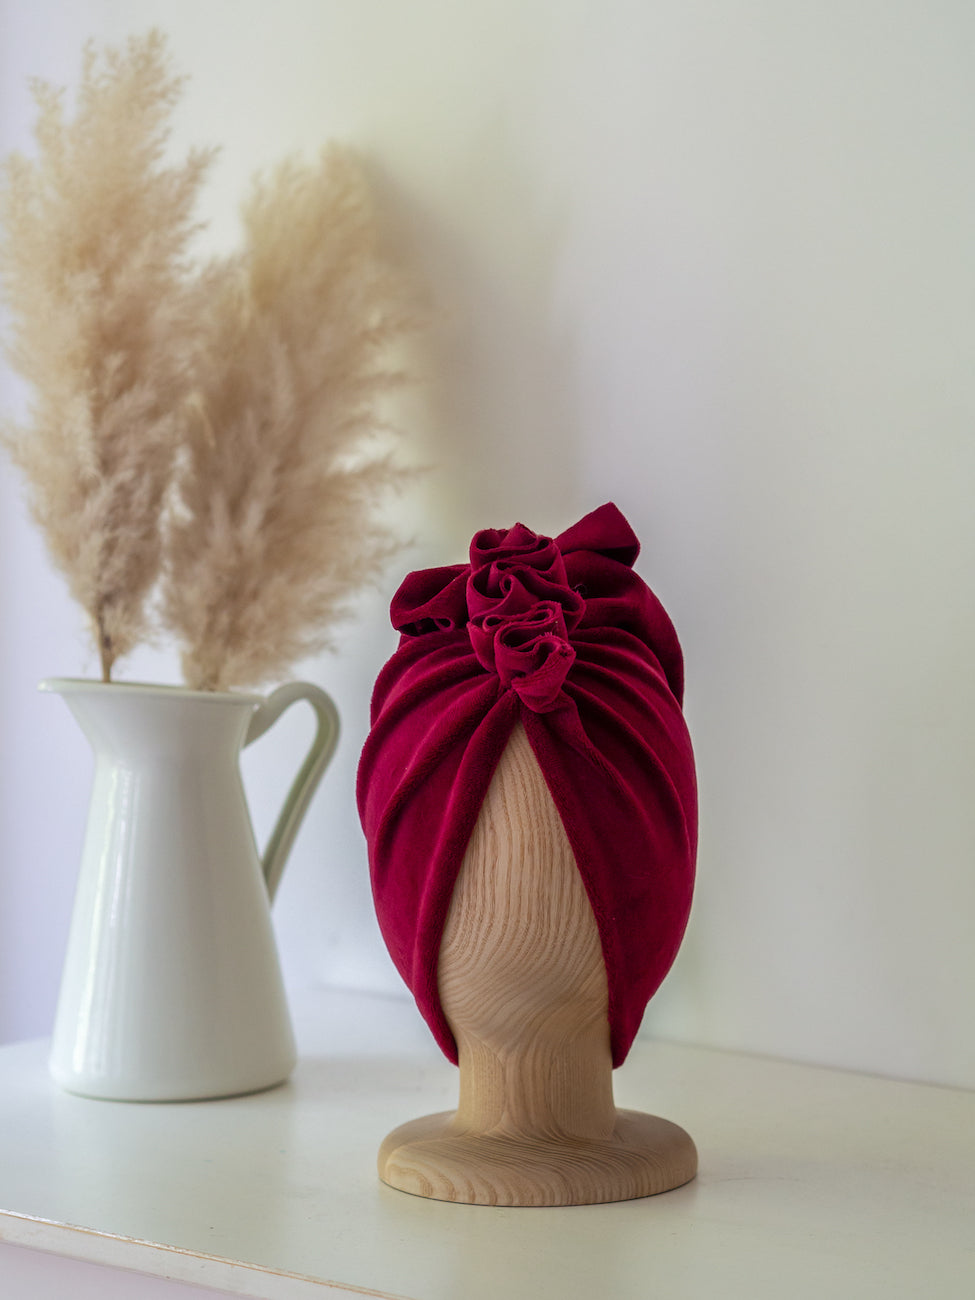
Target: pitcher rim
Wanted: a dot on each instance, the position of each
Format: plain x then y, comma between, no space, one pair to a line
72,685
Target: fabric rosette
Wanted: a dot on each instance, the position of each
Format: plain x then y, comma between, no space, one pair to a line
561,635
529,651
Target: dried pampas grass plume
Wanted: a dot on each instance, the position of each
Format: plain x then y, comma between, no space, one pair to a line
93,244
203,437
275,522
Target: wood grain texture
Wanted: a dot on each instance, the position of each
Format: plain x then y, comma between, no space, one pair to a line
523,987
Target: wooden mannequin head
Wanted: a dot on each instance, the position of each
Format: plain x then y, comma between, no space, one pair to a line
521,972
523,986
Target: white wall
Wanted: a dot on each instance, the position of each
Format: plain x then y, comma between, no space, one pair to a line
713,261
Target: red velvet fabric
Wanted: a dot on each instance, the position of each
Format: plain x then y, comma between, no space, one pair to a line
562,635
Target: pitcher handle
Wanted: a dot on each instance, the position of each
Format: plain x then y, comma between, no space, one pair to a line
312,770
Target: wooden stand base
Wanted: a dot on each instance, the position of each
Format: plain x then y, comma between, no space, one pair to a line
644,1156
523,986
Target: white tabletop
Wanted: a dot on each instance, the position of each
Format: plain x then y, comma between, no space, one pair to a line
813,1182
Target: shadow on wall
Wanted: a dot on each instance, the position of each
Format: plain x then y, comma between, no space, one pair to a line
42,797
498,429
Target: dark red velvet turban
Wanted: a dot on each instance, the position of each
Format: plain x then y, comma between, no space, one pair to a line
562,635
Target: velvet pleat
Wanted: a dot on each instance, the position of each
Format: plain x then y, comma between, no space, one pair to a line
561,635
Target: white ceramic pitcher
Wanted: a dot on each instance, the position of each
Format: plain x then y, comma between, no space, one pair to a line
171,988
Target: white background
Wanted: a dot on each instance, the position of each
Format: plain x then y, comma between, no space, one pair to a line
713,261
